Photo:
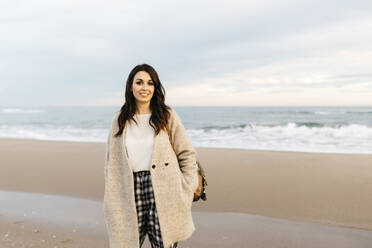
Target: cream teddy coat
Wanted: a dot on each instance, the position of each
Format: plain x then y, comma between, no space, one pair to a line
174,180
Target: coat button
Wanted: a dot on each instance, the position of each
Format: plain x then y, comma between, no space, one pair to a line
153,166
166,164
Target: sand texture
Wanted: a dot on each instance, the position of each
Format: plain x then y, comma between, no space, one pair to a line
51,196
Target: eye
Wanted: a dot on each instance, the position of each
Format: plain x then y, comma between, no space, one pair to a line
151,83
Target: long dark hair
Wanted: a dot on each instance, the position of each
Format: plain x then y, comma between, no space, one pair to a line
160,111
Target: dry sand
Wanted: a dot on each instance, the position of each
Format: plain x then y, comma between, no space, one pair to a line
255,198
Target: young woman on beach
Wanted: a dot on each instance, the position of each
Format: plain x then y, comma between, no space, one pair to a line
149,187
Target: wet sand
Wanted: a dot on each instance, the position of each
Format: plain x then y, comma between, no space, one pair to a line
55,221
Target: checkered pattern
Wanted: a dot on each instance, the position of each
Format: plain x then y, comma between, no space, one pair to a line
148,222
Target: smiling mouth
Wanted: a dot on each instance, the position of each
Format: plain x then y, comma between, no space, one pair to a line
142,94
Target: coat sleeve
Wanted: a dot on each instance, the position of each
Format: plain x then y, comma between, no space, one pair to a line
186,154
111,209
107,155
107,150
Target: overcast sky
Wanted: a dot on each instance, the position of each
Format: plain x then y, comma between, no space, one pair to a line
207,53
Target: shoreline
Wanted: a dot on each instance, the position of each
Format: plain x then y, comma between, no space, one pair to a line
198,147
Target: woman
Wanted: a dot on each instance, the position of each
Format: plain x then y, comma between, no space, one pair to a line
149,187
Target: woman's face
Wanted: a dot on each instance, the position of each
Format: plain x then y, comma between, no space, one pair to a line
143,87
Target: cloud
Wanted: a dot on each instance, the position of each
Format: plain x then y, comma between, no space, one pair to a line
212,46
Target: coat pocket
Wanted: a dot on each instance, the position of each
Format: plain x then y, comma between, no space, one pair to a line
186,194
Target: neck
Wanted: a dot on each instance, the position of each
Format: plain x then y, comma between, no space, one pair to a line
143,108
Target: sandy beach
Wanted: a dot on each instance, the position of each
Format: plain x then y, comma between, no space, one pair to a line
51,196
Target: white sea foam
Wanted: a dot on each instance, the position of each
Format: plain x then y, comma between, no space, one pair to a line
291,137
19,110
66,133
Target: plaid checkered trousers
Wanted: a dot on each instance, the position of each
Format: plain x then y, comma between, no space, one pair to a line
148,222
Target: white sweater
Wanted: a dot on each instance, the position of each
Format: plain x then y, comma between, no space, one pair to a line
139,141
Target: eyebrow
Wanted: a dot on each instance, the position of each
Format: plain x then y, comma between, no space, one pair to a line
142,80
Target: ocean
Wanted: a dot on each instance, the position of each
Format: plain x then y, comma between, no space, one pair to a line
308,129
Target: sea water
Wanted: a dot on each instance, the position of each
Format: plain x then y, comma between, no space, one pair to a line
310,129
